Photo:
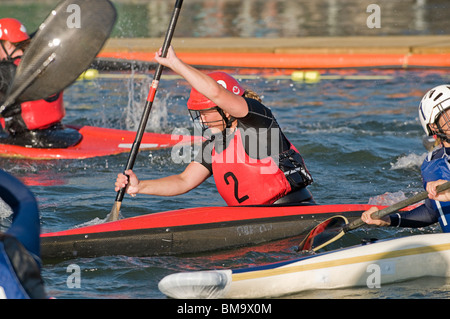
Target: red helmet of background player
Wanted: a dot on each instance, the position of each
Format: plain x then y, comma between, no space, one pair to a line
12,30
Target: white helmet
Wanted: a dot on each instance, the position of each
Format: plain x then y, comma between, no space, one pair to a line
434,102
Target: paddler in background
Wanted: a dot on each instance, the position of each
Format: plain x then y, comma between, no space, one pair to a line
252,161
34,123
20,270
434,114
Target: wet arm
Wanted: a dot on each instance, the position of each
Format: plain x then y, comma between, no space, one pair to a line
231,103
191,177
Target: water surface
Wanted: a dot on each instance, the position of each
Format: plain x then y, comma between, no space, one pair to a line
359,138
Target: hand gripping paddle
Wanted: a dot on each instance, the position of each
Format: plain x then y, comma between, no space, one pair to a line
335,227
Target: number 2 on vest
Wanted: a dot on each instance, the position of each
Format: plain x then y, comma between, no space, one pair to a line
236,186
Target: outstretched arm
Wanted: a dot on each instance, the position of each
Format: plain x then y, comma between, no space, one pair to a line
233,104
194,174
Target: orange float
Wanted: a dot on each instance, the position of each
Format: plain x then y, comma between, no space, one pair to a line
294,61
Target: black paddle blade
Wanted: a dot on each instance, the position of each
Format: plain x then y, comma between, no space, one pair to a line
64,46
327,231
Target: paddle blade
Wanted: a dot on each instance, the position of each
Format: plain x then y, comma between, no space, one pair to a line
73,33
324,233
115,212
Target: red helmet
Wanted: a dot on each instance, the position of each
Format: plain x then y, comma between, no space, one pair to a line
12,30
199,102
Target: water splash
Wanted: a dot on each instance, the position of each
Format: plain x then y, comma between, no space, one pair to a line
95,221
408,161
137,95
5,214
387,199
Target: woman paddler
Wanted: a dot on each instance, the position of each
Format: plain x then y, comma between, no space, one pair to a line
252,161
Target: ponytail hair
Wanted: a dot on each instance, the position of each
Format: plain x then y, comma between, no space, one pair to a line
252,95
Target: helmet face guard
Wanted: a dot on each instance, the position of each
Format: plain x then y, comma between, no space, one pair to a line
198,120
9,55
442,126
12,30
196,116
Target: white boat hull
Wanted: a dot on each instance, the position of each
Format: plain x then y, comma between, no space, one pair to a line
370,265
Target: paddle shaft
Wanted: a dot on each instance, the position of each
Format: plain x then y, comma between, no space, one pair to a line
320,236
151,95
400,205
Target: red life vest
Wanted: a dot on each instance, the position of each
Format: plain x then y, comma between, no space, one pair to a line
242,180
43,113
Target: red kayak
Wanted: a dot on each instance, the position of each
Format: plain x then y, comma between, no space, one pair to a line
192,230
96,141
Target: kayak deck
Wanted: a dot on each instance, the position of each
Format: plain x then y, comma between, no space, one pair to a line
97,141
371,265
190,231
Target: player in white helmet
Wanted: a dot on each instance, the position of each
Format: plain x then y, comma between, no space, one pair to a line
434,115
432,112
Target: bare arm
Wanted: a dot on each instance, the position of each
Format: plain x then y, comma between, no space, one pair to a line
233,104
191,177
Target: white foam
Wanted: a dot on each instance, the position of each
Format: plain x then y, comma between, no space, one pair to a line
409,161
5,210
387,199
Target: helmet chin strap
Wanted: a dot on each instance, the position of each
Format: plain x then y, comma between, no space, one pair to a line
228,121
443,137
439,132
9,55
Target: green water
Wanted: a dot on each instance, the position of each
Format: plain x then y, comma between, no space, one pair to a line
259,18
